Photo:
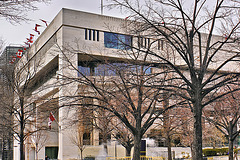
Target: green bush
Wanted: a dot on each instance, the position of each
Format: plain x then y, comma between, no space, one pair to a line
215,152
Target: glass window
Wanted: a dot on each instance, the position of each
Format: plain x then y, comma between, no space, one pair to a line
97,35
110,69
117,41
110,40
93,35
83,70
86,34
90,34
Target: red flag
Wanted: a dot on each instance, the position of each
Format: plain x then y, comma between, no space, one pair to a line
14,58
37,31
29,40
27,44
24,47
31,36
51,119
44,22
19,53
36,28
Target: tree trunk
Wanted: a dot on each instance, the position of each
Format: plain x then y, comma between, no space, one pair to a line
169,148
230,139
10,147
230,149
105,144
36,151
81,152
21,137
197,131
3,148
128,151
137,146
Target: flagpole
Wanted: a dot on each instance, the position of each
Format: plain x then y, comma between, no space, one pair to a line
101,7
58,124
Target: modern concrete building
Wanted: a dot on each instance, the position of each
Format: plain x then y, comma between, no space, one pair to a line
96,35
95,39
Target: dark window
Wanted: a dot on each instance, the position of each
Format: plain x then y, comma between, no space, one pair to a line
110,69
86,138
90,34
86,34
84,70
144,42
97,35
51,152
93,35
117,41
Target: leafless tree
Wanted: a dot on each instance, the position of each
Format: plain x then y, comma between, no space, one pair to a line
26,117
122,88
77,139
123,136
39,139
15,11
200,60
224,115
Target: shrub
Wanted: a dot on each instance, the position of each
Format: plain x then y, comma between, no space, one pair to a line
215,152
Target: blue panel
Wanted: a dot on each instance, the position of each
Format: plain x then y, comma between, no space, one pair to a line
83,70
117,41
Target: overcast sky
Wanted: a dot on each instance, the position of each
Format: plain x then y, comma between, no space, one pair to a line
17,34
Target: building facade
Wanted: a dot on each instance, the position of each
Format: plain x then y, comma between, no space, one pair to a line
77,44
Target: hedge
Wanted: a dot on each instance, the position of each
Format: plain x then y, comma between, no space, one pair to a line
216,151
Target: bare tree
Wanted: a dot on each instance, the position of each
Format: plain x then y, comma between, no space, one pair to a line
199,59
224,115
122,88
26,116
15,11
39,140
102,122
77,139
123,136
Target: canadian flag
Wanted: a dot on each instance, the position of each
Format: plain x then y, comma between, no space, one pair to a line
36,28
14,58
29,40
19,53
44,22
51,119
31,36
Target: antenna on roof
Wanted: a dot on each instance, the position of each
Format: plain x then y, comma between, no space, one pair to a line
102,7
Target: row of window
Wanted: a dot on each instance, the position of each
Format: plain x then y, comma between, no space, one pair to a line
91,34
98,69
120,41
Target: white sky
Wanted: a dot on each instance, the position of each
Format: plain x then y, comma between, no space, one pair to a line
17,34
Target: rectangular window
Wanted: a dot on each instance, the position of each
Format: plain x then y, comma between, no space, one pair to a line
86,34
90,34
117,41
93,35
83,70
148,43
97,35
